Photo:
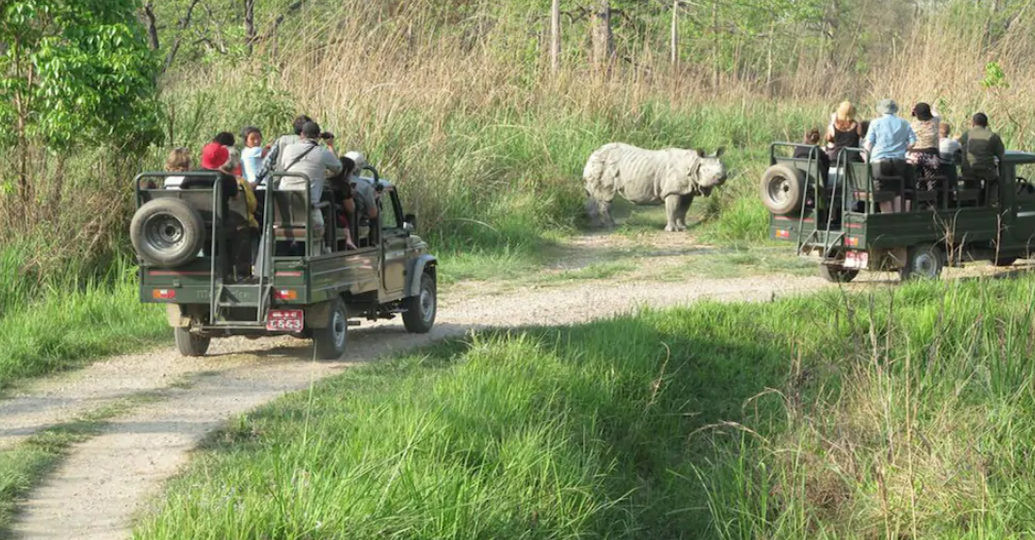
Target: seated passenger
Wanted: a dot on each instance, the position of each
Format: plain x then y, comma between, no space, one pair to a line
886,142
814,151
308,157
178,161
843,132
923,154
948,148
982,152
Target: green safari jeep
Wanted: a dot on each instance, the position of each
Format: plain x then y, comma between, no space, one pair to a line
302,285
832,217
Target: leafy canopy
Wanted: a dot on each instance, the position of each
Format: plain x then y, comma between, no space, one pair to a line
76,71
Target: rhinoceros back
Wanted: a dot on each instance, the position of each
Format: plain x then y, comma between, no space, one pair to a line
633,172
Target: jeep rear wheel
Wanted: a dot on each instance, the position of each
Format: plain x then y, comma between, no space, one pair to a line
837,273
330,341
190,344
419,316
923,262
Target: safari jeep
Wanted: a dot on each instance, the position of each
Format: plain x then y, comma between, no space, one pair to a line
834,218
300,286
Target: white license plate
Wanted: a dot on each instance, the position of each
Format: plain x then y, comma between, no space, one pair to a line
857,259
285,320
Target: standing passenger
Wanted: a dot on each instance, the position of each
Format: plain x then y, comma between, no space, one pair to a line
251,156
844,132
886,141
309,158
924,153
982,153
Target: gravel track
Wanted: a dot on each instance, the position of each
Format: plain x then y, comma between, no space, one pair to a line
103,482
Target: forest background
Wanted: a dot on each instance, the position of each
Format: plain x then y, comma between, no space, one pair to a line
483,111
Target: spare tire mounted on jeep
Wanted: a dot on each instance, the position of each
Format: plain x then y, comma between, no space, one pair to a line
167,232
782,188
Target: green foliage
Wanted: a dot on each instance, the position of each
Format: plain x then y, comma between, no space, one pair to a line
995,77
76,72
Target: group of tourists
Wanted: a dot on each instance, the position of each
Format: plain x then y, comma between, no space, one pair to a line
916,152
244,175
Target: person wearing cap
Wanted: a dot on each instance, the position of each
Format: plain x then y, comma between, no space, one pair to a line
982,152
887,140
215,158
923,154
308,157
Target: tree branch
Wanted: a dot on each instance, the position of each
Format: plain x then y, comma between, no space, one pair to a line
184,23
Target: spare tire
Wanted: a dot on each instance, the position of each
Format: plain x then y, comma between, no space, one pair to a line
782,188
167,232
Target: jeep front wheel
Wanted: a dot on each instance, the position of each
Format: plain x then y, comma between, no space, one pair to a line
419,316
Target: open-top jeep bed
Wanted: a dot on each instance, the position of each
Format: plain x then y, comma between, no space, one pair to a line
298,288
836,221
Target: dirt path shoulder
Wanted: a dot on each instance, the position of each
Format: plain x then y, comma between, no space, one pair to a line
106,480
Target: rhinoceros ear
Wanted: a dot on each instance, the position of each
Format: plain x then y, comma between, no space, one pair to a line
721,150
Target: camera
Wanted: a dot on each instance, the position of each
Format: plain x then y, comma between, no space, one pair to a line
326,135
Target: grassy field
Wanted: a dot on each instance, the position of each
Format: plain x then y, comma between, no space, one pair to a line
53,324
900,413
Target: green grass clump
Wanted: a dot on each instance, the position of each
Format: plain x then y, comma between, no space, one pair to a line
56,323
902,413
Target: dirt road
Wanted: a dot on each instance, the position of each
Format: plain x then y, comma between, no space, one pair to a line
106,480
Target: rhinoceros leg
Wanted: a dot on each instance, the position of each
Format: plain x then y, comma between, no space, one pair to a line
672,211
682,209
605,214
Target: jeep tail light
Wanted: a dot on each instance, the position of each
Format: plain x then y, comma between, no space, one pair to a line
163,294
852,241
285,294
783,233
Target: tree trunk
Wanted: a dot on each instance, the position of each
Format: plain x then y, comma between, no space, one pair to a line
152,29
603,39
555,36
715,44
249,25
674,39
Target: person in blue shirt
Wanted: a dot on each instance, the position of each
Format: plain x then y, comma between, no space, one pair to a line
887,141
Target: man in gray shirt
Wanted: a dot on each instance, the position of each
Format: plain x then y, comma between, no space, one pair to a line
308,157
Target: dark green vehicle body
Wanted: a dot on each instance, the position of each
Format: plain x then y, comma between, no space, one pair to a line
958,223
376,281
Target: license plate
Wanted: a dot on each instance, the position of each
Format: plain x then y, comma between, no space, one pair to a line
854,259
285,320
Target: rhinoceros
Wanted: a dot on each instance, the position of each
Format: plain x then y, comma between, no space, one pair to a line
643,176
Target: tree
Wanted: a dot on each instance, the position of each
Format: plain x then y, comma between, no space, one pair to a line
74,72
555,36
602,36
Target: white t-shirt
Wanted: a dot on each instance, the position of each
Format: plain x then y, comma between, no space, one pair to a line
949,149
251,162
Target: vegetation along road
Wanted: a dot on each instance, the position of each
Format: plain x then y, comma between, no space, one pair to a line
151,409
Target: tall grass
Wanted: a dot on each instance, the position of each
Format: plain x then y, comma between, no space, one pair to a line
901,413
